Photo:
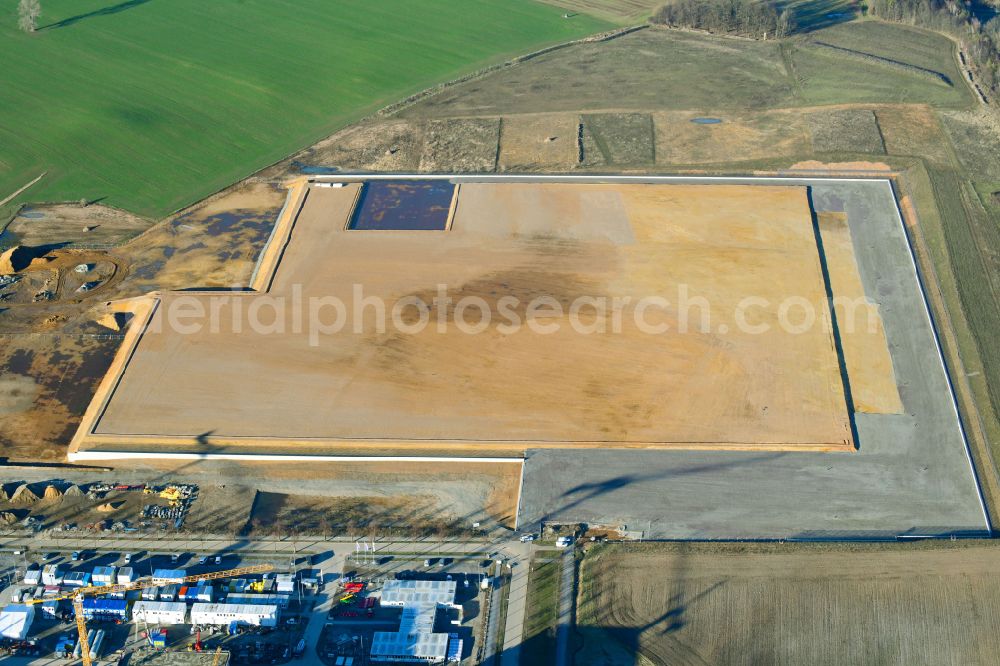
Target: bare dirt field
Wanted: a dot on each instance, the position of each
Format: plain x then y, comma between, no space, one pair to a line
417,498
275,513
790,604
47,382
545,141
377,146
359,495
212,244
846,131
393,389
73,224
866,353
740,136
461,145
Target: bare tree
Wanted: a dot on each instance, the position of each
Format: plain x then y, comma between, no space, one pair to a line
786,24
27,14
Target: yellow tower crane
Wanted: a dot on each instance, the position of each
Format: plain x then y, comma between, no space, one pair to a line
78,596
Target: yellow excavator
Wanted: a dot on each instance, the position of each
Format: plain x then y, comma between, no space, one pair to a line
78,596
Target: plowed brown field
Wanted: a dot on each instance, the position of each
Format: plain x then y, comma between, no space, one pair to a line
814,604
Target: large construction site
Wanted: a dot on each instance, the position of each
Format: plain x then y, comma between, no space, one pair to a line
770,332
646,315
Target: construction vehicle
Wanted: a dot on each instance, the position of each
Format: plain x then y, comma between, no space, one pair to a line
198,645
78,596
171,493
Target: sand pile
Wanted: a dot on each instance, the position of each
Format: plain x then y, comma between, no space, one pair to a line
4,497
116,321
51,492
16,259
110,506
23,495
7,518
73,491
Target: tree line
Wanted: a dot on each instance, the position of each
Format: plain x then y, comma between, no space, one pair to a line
981,41
749,18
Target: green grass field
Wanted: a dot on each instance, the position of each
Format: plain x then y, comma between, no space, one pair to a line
669,69
542,613
153,105
828,78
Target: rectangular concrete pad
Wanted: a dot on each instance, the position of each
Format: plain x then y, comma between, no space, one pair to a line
715,388
911,475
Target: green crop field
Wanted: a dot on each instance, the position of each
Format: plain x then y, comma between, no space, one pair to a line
542,613
153,105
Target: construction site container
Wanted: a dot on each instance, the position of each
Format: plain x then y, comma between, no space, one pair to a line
50,609
15,621
125,576
52,574
77,579
102,608
165,576
169,592
150,593
104,575
454,648
32,576
285,583
225,614
159,612
279,600
237,585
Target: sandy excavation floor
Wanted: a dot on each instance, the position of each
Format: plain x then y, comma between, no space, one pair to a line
866,353
717,387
